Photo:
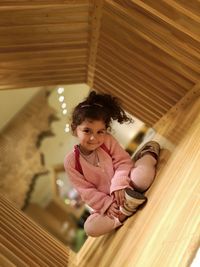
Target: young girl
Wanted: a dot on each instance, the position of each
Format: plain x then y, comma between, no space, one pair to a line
102,172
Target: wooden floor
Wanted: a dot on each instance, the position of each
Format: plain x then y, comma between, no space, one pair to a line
166,232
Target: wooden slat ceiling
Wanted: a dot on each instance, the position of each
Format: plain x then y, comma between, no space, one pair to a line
43,42
148,53
145,52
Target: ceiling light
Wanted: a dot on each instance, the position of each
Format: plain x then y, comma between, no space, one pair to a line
60,90
63,105
61,98
66,128
59,182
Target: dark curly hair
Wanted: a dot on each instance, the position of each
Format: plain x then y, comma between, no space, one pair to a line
99,107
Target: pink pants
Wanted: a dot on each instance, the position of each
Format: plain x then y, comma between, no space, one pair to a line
142,176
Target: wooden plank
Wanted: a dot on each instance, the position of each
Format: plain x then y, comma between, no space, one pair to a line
141,61
178,12
9,259
127,68
60,46
30,229
22,254
148,63
61,67
44,62
28,245
137,83
24,4
155,34
133,39
170,14
61,28
93,39
134,90
193,6
50,82
43,16
43,74
44,35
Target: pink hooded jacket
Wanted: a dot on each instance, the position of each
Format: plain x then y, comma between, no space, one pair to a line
97,184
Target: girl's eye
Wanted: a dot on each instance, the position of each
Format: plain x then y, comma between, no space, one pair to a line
86,131
101,132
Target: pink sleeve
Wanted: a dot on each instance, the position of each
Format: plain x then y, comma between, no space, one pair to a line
122,164
97,200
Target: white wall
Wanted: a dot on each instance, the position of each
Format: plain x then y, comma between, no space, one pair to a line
125,132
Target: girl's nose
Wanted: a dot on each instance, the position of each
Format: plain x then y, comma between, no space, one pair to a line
92,137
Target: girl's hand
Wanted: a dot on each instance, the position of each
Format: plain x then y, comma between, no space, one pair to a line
113,210
119,197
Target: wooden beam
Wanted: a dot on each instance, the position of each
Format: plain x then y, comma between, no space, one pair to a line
95,23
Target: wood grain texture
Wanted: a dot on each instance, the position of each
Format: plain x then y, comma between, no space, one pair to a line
145,52
23,243
148,54
43,42
95,22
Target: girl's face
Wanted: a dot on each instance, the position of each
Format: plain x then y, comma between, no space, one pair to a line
90,134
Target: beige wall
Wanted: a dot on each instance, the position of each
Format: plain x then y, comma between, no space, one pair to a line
20,158
11,101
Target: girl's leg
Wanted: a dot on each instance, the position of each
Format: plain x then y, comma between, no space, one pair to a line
97,224
143,174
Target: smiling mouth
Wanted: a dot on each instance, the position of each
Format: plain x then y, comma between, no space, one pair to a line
93,144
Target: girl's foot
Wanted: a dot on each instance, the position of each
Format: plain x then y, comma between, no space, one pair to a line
133,200
151,147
